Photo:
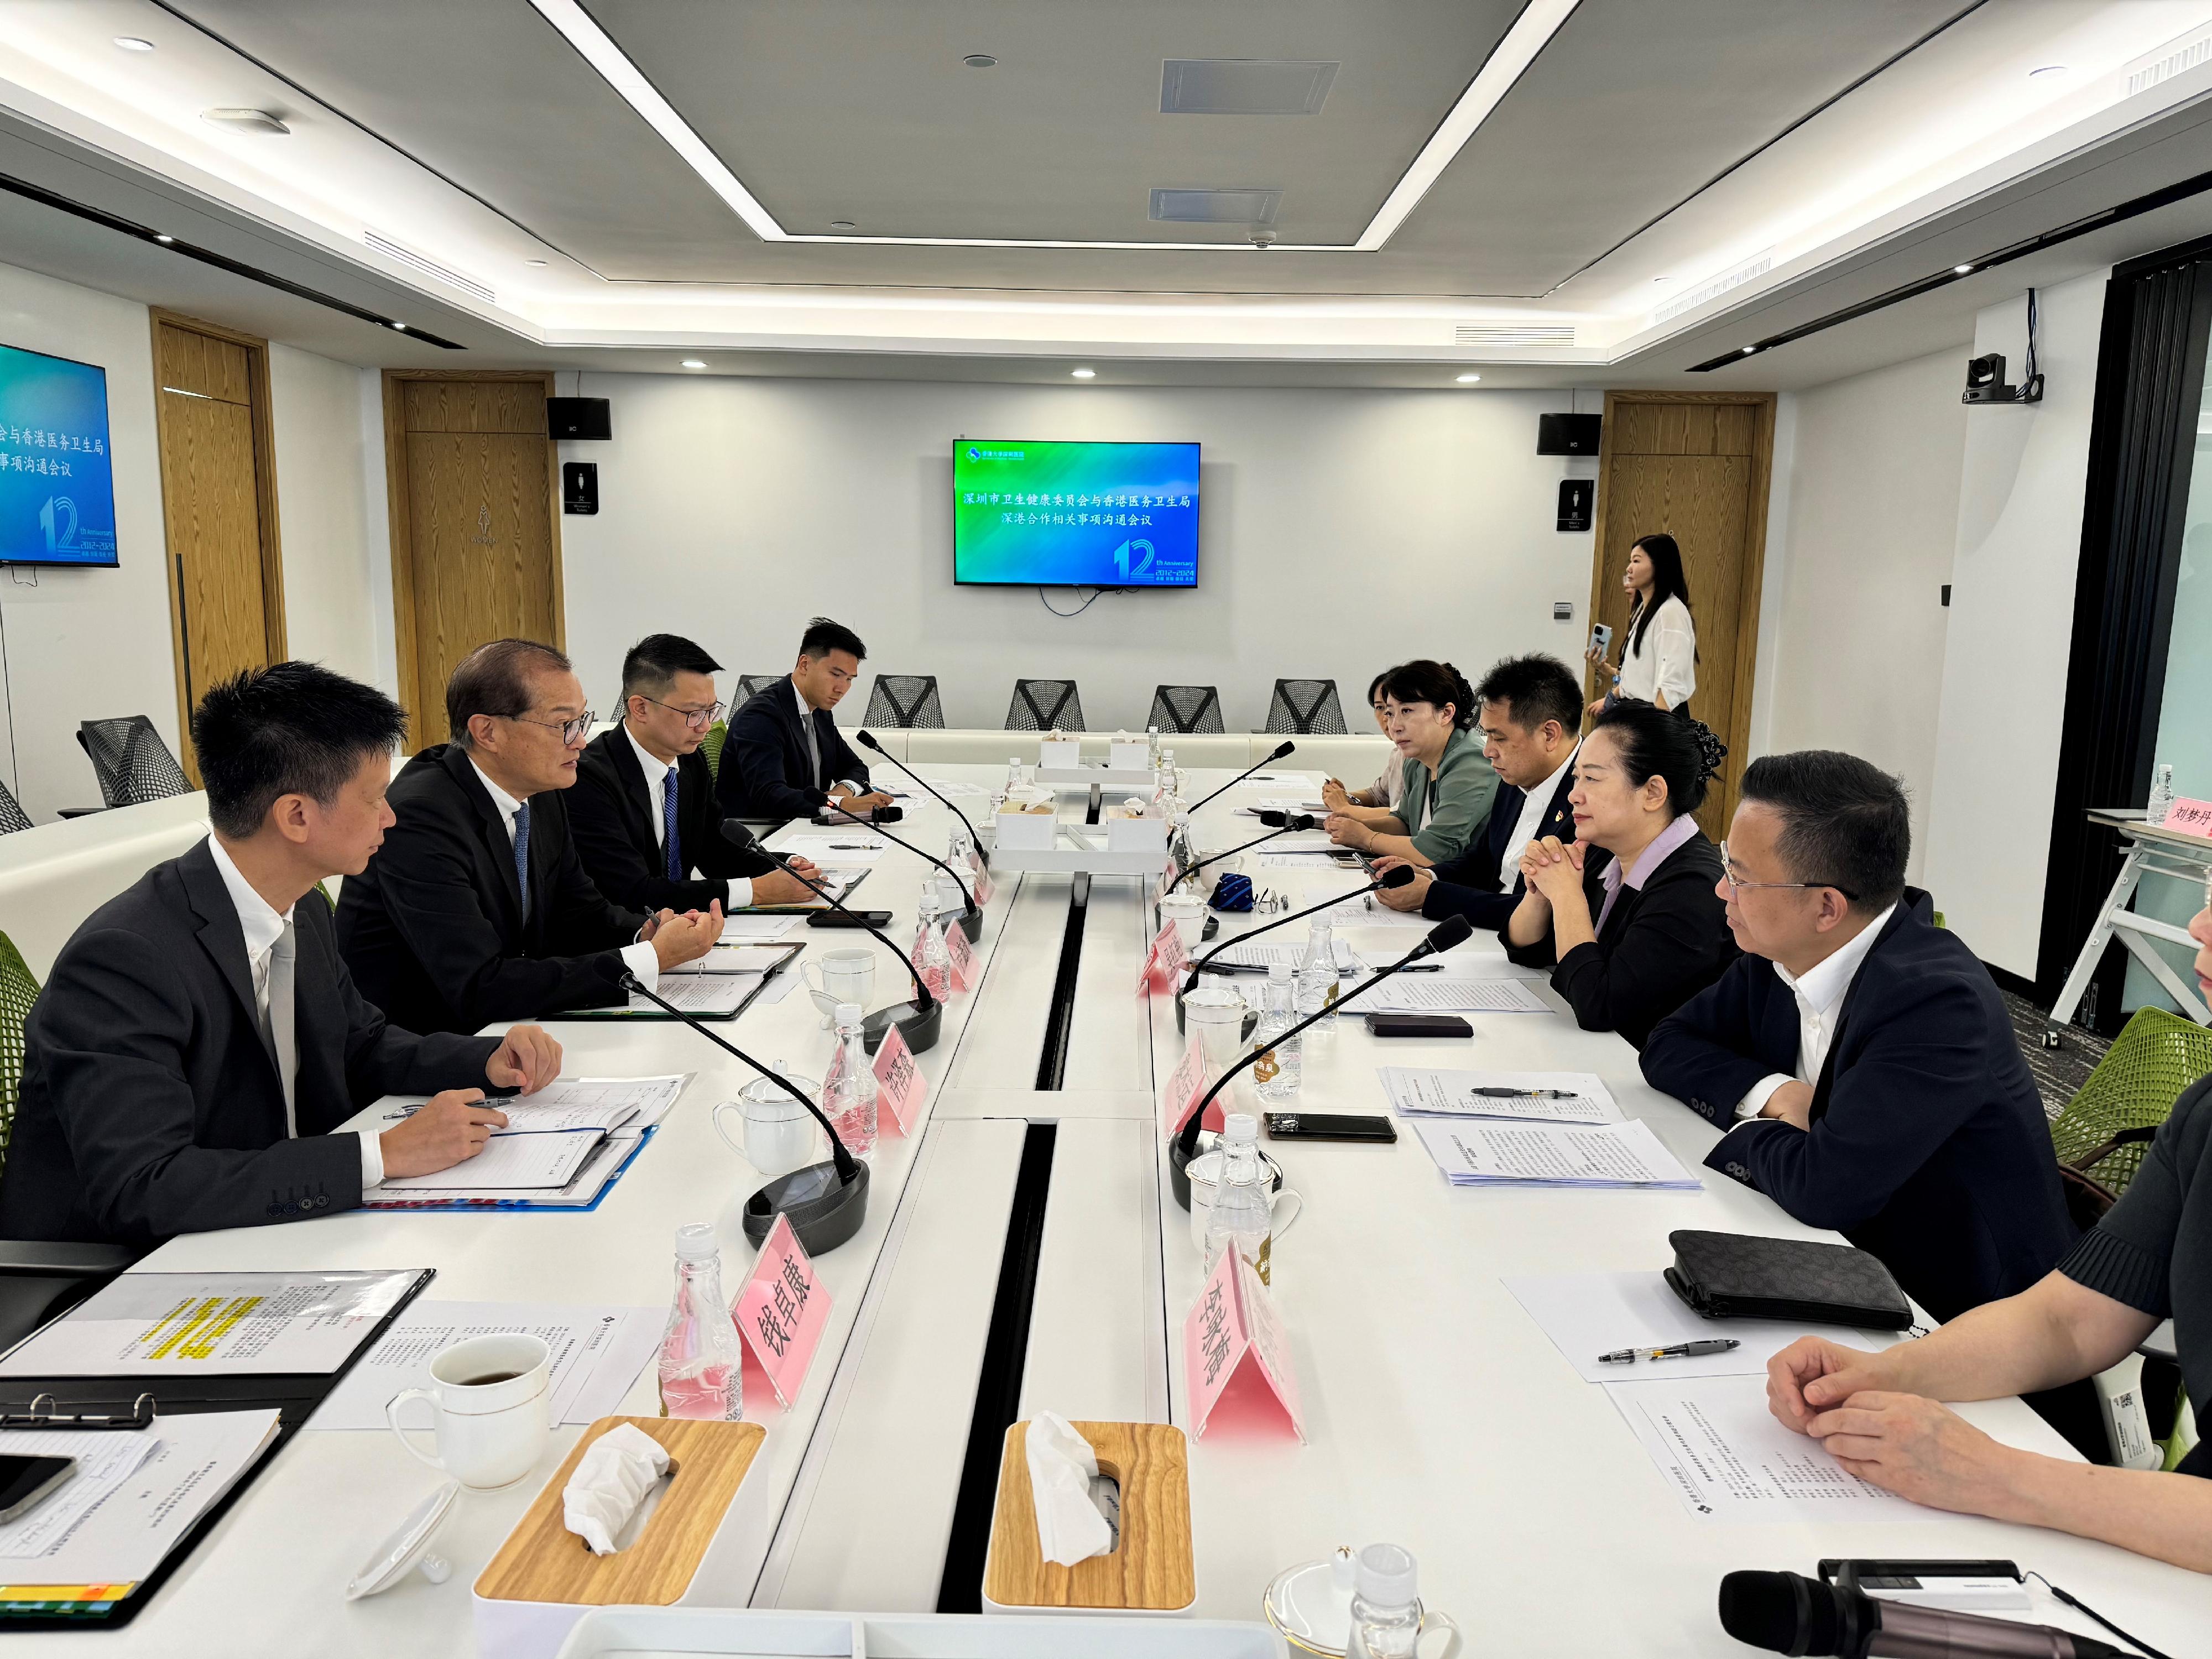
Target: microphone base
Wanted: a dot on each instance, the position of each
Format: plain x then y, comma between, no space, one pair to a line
971,922
822,1219
918,1026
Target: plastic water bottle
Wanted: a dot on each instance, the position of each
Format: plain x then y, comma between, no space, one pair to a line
702,1372
932,958
1386,1604
1317,976
1281,1066
2161,795
1239,1219
848,1090
1152,747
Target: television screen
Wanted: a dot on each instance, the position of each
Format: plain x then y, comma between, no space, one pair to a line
1075,514
57,494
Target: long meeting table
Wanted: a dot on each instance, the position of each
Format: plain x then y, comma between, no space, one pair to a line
1023,1251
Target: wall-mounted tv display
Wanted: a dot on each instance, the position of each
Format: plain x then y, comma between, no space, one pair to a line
1075,514
56,491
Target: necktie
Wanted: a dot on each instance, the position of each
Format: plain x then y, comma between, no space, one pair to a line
814,780
279,974
522,854
668,825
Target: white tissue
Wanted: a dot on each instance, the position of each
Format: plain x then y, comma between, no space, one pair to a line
1070,1527
611,1479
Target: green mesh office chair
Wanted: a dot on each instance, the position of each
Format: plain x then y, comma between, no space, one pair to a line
2102,1133
711,747
38,1280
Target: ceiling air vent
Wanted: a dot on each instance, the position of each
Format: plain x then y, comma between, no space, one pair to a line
1215,207
1514,334
414,261
1758,265
1242,86
2166,63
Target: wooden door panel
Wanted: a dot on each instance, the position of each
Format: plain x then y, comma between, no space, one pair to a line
212,509
511,406
202,365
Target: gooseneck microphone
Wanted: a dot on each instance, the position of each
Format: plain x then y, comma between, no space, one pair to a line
1787,1612
868,742
972,913
825,1203
1400,875
1282,750
1286,824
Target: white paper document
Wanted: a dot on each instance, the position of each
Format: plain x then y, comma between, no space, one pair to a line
510,1163
957,790
598,1353
1727,1458
583,1188
104,1460
1425,1091
1477,1154
567,1103
1267,955
189,1460
695,993
755,956
1446,994
153,1324
1590,1314
1283,804
1304,858
758,927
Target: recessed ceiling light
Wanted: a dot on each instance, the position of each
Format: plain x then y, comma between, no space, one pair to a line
1084,373
1468,379
534,262
980,60
1747,350
402,327
842,224
163,236
693,363
132,43
1960,270
2047,70
245,120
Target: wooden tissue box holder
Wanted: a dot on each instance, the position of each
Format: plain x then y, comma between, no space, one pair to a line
1150,1568
544,1576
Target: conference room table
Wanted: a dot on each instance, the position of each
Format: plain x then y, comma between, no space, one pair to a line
1436,1413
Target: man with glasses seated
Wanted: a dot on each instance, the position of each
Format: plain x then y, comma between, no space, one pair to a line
1858,1056
644,811
476,908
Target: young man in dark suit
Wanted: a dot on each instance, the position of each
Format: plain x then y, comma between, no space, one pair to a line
644,810
1532,709
200,1038
1858,1055
784,756
476,908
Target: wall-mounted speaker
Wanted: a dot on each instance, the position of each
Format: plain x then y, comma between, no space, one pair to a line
580,487
571,418
1568,434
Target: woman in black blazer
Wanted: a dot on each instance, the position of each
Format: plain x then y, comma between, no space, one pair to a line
1626,915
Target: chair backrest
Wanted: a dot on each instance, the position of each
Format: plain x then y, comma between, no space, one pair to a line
12,815
18,991
1186,708
1045,706
2156,1057
131,762
906,700
751,685
711,747
1305,708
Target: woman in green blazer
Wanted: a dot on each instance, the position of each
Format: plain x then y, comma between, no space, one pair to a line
1448,785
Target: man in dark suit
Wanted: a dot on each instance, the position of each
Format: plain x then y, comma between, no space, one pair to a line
644,810
476,909
1532,708
784,756
1858,1055
199,1039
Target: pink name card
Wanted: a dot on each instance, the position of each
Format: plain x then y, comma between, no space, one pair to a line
962,954
1166,959
1167,879
979,883
1233,1336
1185,1084
898,1080
2191,817
781,1311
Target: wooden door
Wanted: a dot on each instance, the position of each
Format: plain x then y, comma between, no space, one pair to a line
1695,466
218,500
475,554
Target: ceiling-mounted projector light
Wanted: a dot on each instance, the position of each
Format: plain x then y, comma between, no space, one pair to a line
1084,373
245,120
1468,379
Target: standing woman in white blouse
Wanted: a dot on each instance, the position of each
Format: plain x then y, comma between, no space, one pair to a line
1659,654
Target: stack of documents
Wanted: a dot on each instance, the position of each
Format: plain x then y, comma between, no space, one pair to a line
1478,1154
1266,956
562,1147
717,986
1283,804
1448,994
1525,1097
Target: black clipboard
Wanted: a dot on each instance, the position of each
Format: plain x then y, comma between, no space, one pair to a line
294,1394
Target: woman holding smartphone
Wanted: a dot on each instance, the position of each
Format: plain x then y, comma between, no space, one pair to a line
1659,655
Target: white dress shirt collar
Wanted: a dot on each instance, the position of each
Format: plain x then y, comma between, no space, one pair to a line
262,926
507,803
1820,990
656,772
1532,812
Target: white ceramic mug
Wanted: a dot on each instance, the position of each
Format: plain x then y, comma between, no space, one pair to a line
843,976
1188,911
1202,1172
778,1135
489,1395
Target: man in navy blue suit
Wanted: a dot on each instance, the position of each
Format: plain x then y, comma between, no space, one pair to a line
1858,1055
1532,709
783,756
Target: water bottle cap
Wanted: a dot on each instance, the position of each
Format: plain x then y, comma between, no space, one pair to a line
1388,1576
849,1013
1240,1129
696,1241
1279,971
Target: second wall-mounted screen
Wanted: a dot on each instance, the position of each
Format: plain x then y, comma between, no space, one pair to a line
1075,514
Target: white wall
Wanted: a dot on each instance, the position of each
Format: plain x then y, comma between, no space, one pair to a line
1340,532
1854,660
323,501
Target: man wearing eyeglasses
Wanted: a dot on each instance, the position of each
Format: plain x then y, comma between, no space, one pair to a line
1865,1070
476,908
645,812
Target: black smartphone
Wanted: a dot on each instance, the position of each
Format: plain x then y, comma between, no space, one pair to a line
27,1482
848,919
1328,1125
1418,1025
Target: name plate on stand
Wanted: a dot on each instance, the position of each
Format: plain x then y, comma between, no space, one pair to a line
781,1311
1233,1335
898,1080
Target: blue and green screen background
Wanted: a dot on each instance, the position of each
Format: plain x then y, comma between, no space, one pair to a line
56,484
1075,514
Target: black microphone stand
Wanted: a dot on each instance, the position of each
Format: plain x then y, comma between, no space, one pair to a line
1452,932
824,1209
971,915
1398,876
868,742
920,1018
1282,750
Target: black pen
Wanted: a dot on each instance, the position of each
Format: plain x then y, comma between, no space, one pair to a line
1517,1094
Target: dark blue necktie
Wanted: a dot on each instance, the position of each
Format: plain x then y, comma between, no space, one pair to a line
668,823
522,854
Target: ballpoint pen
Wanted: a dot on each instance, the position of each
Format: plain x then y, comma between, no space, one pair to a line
1491,1093
1696,1350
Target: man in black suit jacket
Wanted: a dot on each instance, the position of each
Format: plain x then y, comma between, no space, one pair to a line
783,756
1858,1055
476,908
199,1041
644,810
1532,708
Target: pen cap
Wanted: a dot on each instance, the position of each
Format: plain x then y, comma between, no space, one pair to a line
1388,1576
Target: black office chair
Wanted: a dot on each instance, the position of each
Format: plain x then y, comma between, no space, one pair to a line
12,815
1045,706
906,700
132,764
751,685
1305,708
1186,708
